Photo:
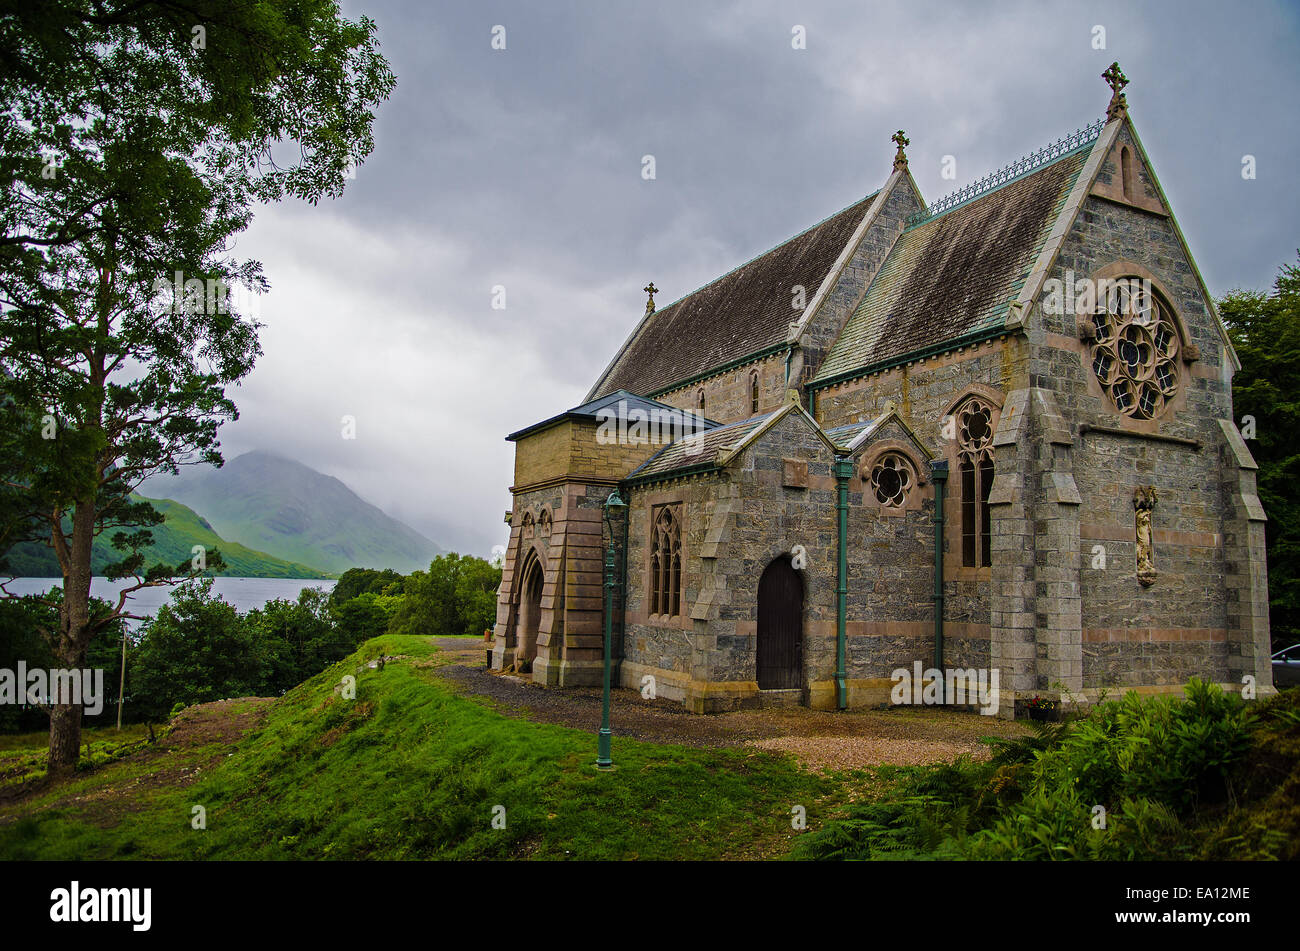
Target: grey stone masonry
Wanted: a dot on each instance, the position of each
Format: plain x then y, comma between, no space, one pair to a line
1012,621
1057,601
1245,565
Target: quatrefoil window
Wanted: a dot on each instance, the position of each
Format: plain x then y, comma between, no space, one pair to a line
892,479
1135,350
975,427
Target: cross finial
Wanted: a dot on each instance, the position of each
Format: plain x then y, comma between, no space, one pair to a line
1116,79
652,291
901,140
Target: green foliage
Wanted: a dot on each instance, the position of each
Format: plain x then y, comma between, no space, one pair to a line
1265,331
130,152
457,595
357,581
195,650
200,648
21,622
365,616
1157,767
298,638
28,626
1023,750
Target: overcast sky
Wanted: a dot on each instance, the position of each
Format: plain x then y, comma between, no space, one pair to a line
522,167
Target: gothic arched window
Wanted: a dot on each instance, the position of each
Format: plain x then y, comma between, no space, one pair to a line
753,393
975,463
544,523
699,401
1135,349
666,560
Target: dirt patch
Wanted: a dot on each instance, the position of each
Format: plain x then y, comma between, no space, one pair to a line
221,723
818,739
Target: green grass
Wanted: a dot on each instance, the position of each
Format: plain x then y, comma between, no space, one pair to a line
40,740
410,770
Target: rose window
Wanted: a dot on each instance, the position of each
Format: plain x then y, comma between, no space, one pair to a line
891,480
1135,350
975,425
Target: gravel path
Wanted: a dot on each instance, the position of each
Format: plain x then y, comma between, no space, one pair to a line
818,739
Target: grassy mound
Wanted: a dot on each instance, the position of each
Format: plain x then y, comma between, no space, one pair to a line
409,770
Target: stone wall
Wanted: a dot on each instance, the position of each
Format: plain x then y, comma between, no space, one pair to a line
571,449
738,521
926,393
1157,636
570,637
727,397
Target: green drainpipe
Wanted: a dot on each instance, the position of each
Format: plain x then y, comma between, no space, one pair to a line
622,597
843,471
938,472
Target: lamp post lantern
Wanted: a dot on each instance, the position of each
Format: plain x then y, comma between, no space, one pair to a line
613,506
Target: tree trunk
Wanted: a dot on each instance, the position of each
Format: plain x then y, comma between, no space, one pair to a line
65,738
74,638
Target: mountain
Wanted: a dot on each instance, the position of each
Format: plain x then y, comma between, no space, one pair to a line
173,542
293,512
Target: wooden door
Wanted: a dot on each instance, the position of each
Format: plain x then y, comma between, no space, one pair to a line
780,627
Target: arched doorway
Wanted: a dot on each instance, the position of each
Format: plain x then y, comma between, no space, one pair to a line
780,627
530,614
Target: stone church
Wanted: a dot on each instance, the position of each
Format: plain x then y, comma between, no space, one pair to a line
993,433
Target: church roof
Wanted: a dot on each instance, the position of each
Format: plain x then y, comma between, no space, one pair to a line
741,314
616,405
717,448
955,274
699,450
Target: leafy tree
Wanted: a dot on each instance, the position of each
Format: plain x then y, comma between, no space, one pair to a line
196,649
457,595
357,581
365,616
25,626
426,607
21,621
1265,330
298,638
476,595
135,139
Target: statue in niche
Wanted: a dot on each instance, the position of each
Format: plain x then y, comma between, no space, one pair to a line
1144,502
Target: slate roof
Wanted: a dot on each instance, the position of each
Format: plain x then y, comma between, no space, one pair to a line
609,403
956,273
698,450
739,314
843,435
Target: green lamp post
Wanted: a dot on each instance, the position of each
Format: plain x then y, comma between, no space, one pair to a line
614,506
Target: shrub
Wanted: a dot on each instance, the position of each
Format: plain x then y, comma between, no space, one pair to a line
1157,767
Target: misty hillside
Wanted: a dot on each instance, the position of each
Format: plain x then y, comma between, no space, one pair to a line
173,543
290,510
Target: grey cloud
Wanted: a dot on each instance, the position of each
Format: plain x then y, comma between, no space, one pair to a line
522,168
